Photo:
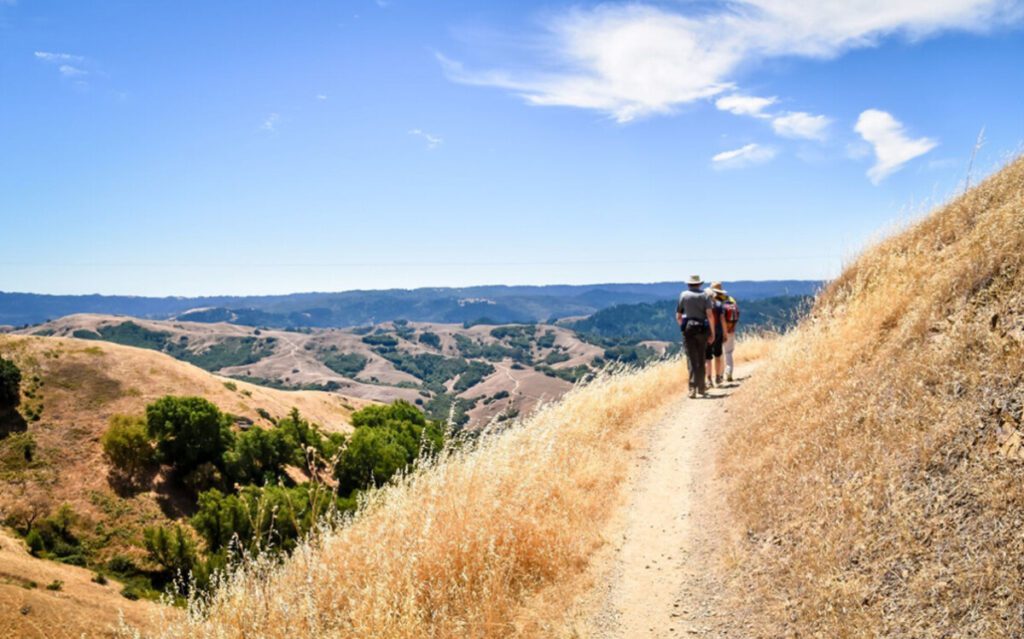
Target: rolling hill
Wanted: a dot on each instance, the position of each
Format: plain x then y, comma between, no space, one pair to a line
51,466
473,375
478,304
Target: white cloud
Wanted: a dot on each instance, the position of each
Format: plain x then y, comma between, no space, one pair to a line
743,156
270,122
69,71
321,97
48,56
892,147
632,60
745,105
432,141
799,124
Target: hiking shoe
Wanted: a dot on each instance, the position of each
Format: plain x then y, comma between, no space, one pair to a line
693,394
728,377
718,380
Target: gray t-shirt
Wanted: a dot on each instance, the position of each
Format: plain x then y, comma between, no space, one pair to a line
694,304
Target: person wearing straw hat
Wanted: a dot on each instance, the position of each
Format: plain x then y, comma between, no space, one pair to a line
696,322
716,363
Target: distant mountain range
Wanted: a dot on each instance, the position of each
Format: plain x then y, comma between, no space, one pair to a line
471,305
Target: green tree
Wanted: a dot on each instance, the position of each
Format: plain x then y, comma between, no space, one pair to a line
10,384
189,432
386,440
127,447
259,455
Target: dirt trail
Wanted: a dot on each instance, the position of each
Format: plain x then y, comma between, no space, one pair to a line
660,582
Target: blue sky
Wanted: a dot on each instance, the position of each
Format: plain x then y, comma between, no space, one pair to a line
182,148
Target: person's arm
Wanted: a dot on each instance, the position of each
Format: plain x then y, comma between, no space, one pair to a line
679,312
711,322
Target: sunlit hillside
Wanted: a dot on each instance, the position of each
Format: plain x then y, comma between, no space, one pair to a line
875,463
53,473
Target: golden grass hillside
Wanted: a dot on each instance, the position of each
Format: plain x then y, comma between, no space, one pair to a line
875,464
457,547
70,389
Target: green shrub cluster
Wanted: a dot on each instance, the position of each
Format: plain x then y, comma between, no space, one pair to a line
430,339
347,364
10,384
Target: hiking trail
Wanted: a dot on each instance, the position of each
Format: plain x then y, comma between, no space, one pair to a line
658,582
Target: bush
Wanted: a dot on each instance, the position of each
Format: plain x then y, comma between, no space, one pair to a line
258,456
189,432
56,584
430,339
127,447
10,384
386,440
171,548
258,518
52,536
36,544
347,364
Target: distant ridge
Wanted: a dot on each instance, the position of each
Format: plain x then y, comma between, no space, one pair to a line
476,304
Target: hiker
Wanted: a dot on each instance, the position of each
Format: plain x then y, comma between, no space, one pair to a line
728,314
730,318
696,322
713,352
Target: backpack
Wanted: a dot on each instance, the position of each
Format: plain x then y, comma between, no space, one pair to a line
730,313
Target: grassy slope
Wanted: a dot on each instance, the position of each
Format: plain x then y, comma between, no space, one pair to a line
875,471
82,384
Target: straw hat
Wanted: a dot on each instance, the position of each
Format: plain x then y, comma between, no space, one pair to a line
716,288
695,280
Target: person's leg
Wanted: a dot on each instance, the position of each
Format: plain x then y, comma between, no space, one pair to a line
695,359
729,347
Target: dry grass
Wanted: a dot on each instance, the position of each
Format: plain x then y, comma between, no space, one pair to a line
455,549
875,466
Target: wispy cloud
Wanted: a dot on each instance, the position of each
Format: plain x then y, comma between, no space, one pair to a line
69,65
69,71
744,156
321,97
892,147
432,141
634,60
745,105
270,122
49,56
803,125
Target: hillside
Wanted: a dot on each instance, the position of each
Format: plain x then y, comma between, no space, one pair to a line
874,471
473,375
476,304
632,323
50,457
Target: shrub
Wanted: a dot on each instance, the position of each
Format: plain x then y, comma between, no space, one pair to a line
127,447
189,432
258,456
347,364
171,548
56,584
99,578
231,386
10,384
258,518
386,440
430,339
